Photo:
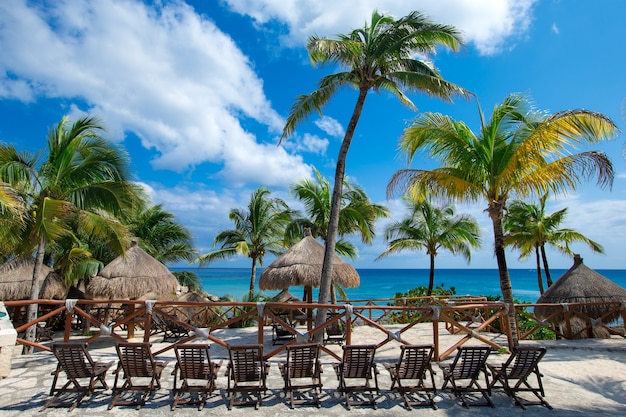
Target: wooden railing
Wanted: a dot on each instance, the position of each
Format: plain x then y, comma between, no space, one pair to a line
467,319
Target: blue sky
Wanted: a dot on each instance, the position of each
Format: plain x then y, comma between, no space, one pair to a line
198,92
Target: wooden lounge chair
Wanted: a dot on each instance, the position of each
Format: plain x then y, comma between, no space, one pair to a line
141,373
355,372
171,330
334,332
468,364
197,374
247,375
408,375
279,332
302,371
513,375
76,363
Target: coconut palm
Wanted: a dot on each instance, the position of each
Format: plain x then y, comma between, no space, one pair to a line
379,56
161,236
517,152
357,216
258,230
82,176
431,228
529,228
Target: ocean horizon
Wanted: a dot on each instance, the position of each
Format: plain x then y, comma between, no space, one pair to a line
385,283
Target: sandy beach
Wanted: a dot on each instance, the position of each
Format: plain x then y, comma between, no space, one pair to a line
581,378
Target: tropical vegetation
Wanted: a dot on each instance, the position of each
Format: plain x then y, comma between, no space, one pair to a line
529,229
517,152
80,182
259,229
357,216
381,56
431,228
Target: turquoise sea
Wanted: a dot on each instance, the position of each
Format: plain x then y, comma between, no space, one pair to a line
385,283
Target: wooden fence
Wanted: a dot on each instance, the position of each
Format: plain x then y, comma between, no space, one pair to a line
468,318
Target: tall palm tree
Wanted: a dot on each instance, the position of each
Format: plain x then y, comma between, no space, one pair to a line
517,152
82,176
358,214
161,236
529,228
379,56
258,230
432,228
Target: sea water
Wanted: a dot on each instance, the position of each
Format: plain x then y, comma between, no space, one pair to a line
385,283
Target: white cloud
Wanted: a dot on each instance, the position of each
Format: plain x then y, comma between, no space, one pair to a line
306,143
488,24
163,72
330,126
555,29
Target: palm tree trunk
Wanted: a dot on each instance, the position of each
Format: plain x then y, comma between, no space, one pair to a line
539,277
335,207
31,312
252,278
431,278
545,266
496,214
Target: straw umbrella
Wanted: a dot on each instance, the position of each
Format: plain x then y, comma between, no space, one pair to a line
302,265
135,275
581,284
16,278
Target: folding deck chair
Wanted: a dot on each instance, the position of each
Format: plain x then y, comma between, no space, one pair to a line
196,372
279,332
334,332
513,375
141,373
74,360
408,375
247,375
468,365
302,371
171,330
358,365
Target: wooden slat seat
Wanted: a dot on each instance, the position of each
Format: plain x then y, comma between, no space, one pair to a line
140,372
302,371
197,374
76,363
468,364
513,375
356,372
409,374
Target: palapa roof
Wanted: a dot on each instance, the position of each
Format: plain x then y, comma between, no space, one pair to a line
134,275
581,284
16,278
302,265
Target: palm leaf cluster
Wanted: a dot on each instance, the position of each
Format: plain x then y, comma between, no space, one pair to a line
519,152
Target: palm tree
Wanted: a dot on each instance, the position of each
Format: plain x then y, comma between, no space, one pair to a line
82,177
518,152
529,228
161,236
358,214
379,56
432,228
258,230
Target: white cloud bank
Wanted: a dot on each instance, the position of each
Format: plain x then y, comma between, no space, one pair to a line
487,24
162,72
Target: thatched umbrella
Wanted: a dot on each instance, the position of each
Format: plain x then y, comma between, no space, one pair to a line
135,275
302,265
581,284
16,277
